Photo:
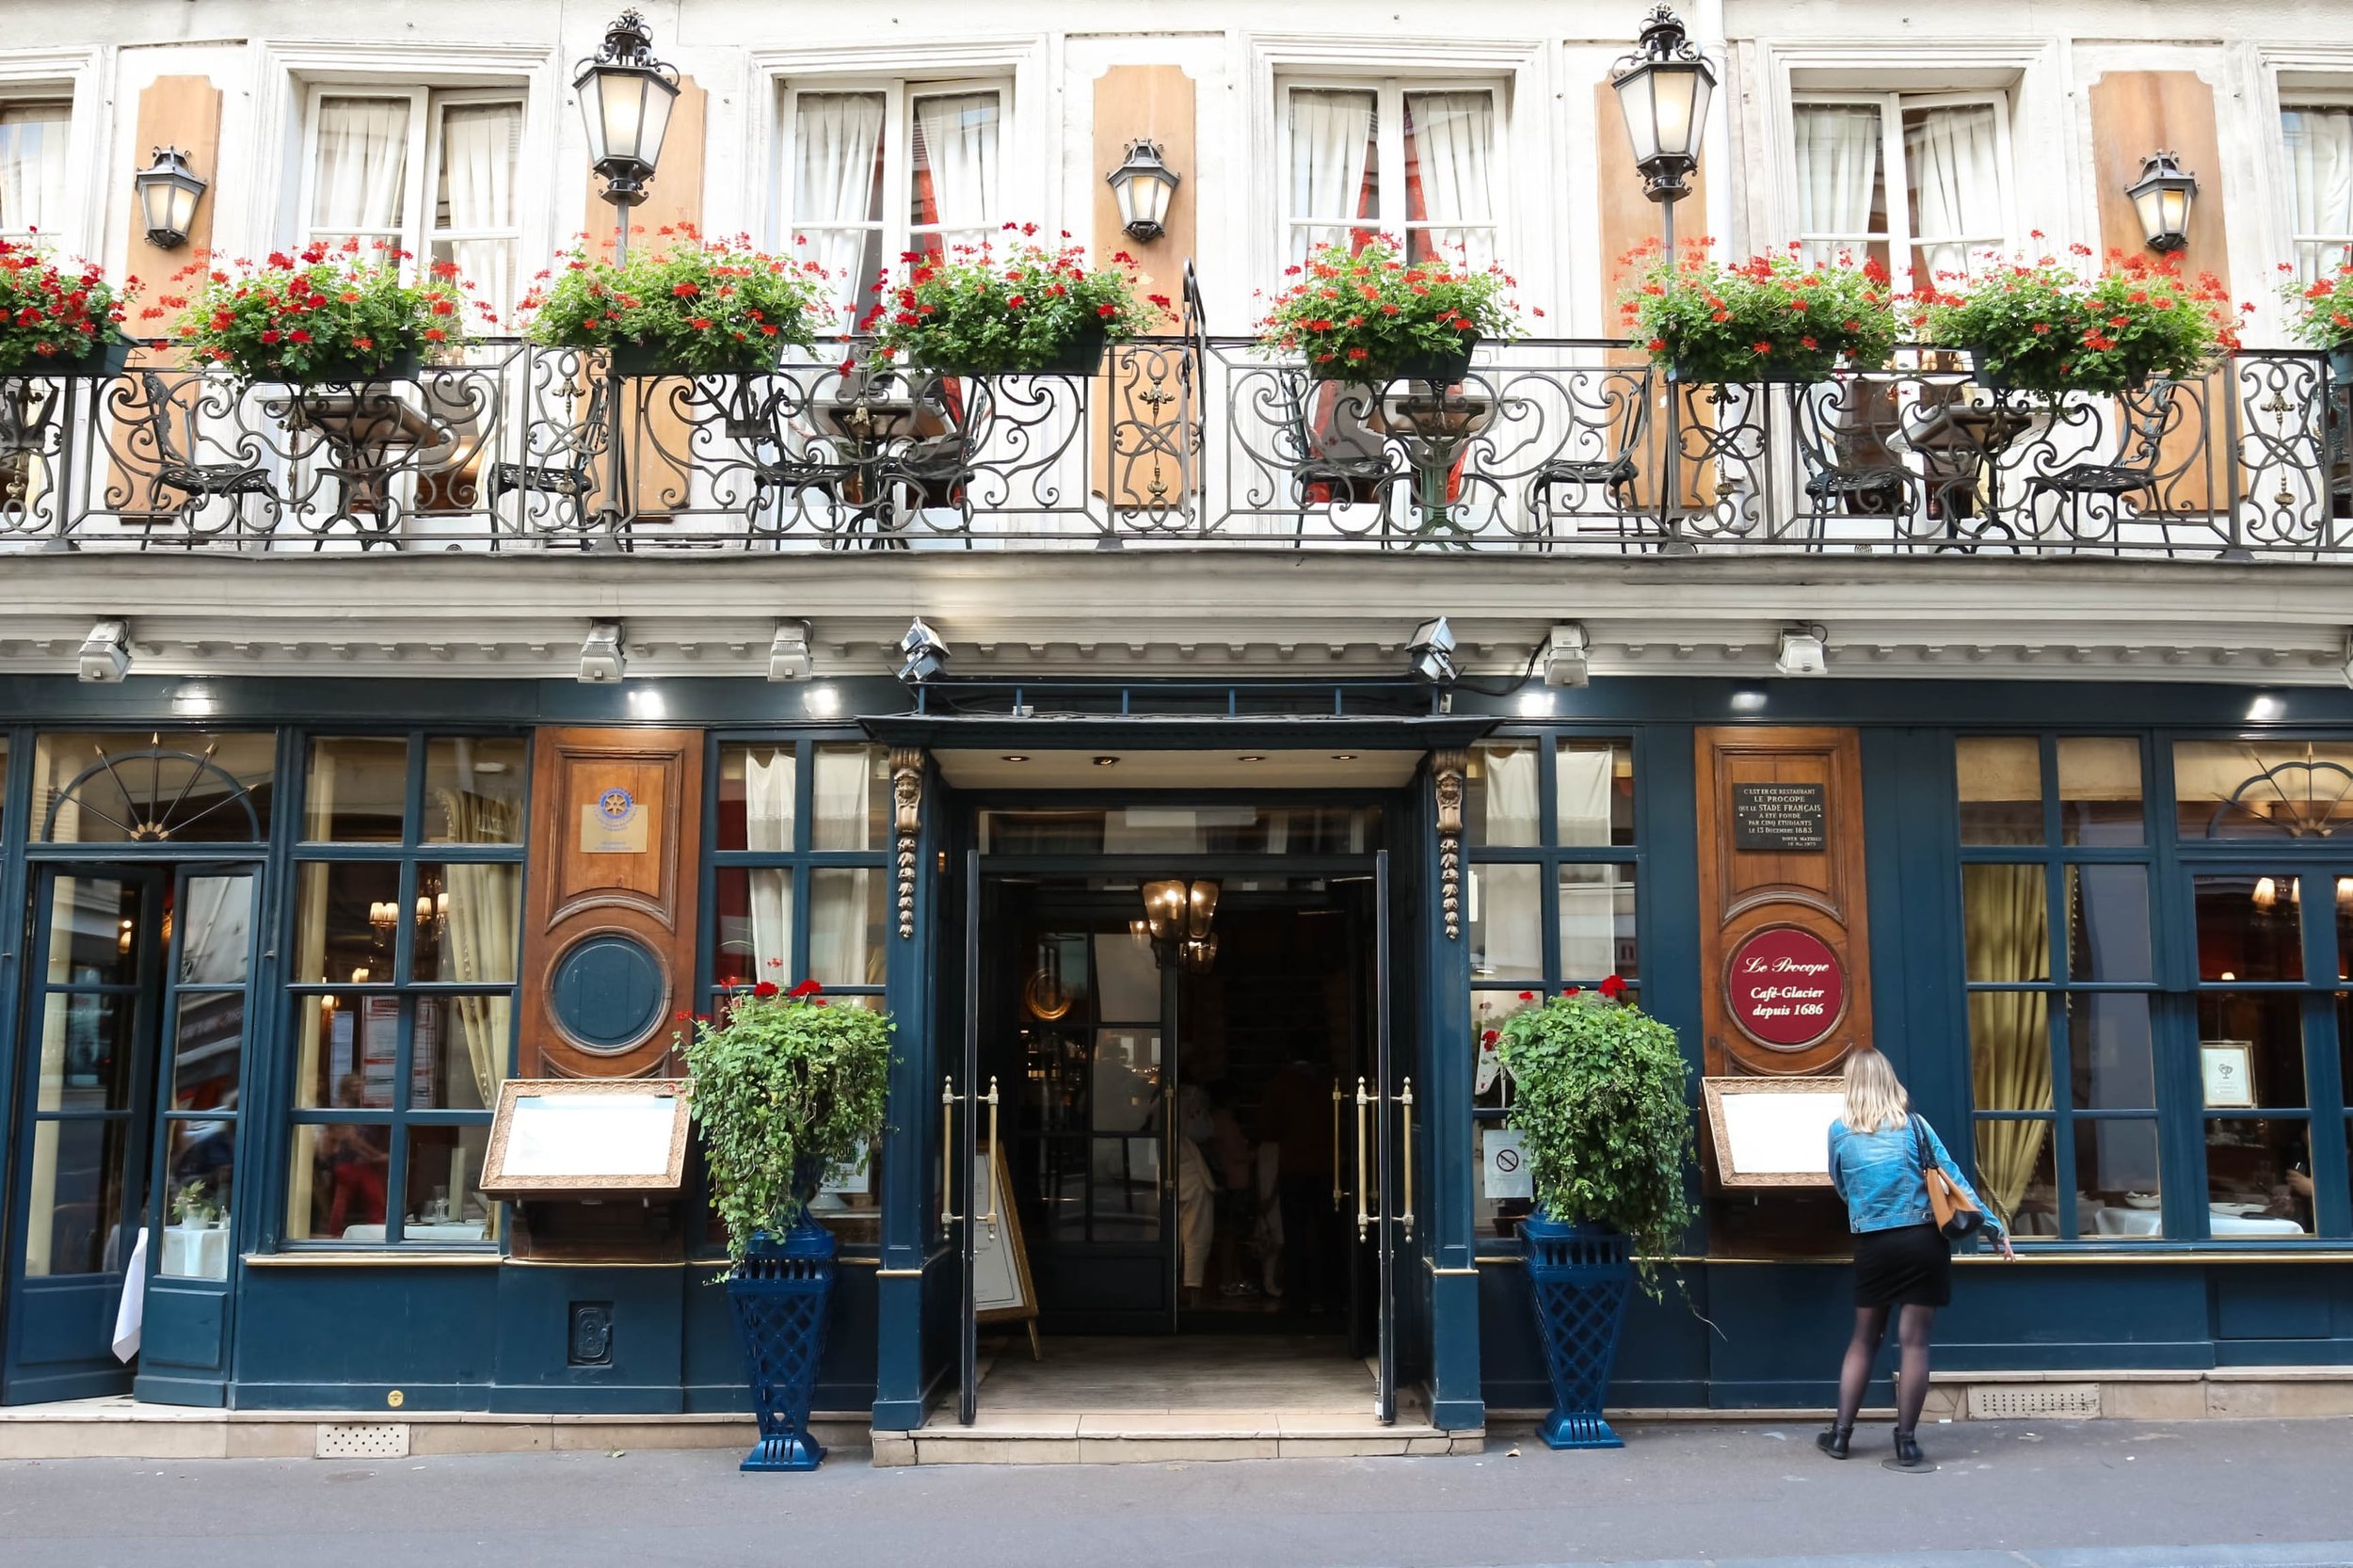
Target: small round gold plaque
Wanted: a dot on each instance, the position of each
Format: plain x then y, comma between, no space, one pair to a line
396,1399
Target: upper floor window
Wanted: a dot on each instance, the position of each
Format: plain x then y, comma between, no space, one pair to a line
33,166
1918,184
431,173
2319,143
1422,161
873,172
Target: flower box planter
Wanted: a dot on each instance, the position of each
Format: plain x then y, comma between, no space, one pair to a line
1083,354
1441,370
102,361
781,1293
1579,1277
654,361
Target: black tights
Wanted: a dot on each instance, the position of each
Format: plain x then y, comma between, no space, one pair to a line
1911,1379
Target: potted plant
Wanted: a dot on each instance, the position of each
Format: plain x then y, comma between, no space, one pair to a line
1022,310
786,1088
1599,1103
326,314
58,319
1366,315
2320,315
2045,329
696,307
1769,318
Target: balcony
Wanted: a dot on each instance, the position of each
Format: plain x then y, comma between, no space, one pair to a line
1549,446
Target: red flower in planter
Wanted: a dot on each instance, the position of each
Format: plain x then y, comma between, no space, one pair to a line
806,988
765,990
1613,988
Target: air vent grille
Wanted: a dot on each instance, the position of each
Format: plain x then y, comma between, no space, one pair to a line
386,1440
2022,1402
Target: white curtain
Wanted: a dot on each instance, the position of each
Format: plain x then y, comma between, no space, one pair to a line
480,932
1583,779
2319,146
956,144
1331,147
1589,908
32,168
478,152
1510,790
362,173
1839,177
768,784
836,138
845,946
1453,136
1955,160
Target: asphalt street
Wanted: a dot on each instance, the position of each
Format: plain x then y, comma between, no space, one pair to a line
2021,1495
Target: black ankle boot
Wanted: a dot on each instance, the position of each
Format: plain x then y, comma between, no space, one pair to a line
1907,1450
1835,1440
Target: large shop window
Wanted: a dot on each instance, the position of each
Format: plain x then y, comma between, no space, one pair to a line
1918,184
33,170
152,786
2317,141
876,172
1420,160
1551,897
428,173
408,907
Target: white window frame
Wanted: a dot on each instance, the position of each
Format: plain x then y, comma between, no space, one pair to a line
412,197
1390,92
897,226
69,76
1895,175
2292,99
62,97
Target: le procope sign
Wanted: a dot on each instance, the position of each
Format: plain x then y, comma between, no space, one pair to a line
1785,986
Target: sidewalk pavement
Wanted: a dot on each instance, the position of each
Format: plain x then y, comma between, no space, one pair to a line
2020,1495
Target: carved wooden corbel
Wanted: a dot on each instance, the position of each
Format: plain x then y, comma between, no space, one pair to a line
906,793
1446,774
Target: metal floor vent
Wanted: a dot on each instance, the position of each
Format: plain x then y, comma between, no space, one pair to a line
2018,1401
389,1440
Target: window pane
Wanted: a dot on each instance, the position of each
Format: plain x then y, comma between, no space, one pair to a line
1506,924
2010,1050
1953,157
1449,176
207,1046
356,790
955,170
845,926
755,925
1594,788
2099,780
836,177
2001,788
1335,167
1124,1093
87,1051
348,920
93,927
180,787
1500,794
2263,788
2252,1049
1127,978
335,1182
475,198
2118,1187
1597,923
460,1051
853,804
217,931
195,1240
2259,1180
756,798
74,1216
1506,1193
474,789
2016,1166
35,181
347,1052
2107,923
466,920
360,179
2111,1051
2006,923
444,1202
2248,928
2319,144
1490,1087
2345,940
1842,183
2344,1043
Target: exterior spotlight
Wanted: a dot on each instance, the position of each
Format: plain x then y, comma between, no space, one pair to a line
602,662
1564,655
788,655
626,96
1801,651
106,656
1433,652
1142,185
1662,90
2163,197
921,653
169,191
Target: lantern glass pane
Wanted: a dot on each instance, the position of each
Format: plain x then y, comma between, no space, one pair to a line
1678,96
624,104
591,88
1634,89
183,207
660,97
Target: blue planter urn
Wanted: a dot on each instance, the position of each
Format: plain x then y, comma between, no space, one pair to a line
1579,1277
780,1292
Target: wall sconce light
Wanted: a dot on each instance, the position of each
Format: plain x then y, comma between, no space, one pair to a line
1144,185
2163,197
169,191
1177,919
1801,651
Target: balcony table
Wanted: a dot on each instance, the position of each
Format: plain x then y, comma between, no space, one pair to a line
1433,426
1960,445
372,434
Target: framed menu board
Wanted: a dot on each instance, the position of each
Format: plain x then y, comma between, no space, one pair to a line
1772,1132
581,1137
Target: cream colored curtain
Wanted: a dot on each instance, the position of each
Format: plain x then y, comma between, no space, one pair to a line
481,930
2007,932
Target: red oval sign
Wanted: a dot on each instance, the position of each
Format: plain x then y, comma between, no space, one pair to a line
1785,986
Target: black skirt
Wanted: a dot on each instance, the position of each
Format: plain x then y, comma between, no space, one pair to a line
1906,1266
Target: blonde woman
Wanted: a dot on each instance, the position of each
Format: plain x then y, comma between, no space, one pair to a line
1879,1155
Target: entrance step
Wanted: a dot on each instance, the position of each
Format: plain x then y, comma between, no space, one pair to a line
1165,1436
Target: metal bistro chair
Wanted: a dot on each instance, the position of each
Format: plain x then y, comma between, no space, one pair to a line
2137,468
1608,445
176,468
1842,447
1336,456
564,471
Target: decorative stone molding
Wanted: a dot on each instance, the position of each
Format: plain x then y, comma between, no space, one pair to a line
907,792
1445,775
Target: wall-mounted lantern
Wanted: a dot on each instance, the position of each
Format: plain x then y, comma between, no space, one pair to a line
169,191
1144,185
2163,197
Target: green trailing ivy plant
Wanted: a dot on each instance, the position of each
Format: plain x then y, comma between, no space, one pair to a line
786,1085
1599,1102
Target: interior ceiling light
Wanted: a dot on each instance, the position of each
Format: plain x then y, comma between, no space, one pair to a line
602,661
1015,756
1107,761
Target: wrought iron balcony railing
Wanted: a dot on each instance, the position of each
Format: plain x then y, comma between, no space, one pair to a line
1545,445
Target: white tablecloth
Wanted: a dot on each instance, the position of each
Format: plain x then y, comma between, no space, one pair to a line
194,1252
130,1312
2147,1221
417,1230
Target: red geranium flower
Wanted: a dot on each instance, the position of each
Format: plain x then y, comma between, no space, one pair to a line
765,990
1613,988
806,988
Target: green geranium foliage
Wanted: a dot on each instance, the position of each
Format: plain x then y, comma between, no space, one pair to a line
1599,1102
990,308
1767,316
713,306
2320,313
325,313
1358,311
2046,328
784,1085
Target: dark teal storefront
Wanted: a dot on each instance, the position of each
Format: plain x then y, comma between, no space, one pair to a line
2159,1231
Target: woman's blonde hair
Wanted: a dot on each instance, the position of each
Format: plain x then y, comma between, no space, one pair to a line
1874,1097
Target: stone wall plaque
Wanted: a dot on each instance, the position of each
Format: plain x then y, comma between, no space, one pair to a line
1774,818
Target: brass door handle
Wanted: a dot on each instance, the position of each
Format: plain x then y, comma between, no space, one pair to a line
948,1214
1364,1219
1405,1104
989,1219
1336,1190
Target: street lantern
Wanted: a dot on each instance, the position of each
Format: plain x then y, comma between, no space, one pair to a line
168,190
625,97
1144,185
1662,90
2163,197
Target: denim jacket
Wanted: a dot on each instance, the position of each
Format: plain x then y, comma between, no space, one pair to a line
1879,1174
